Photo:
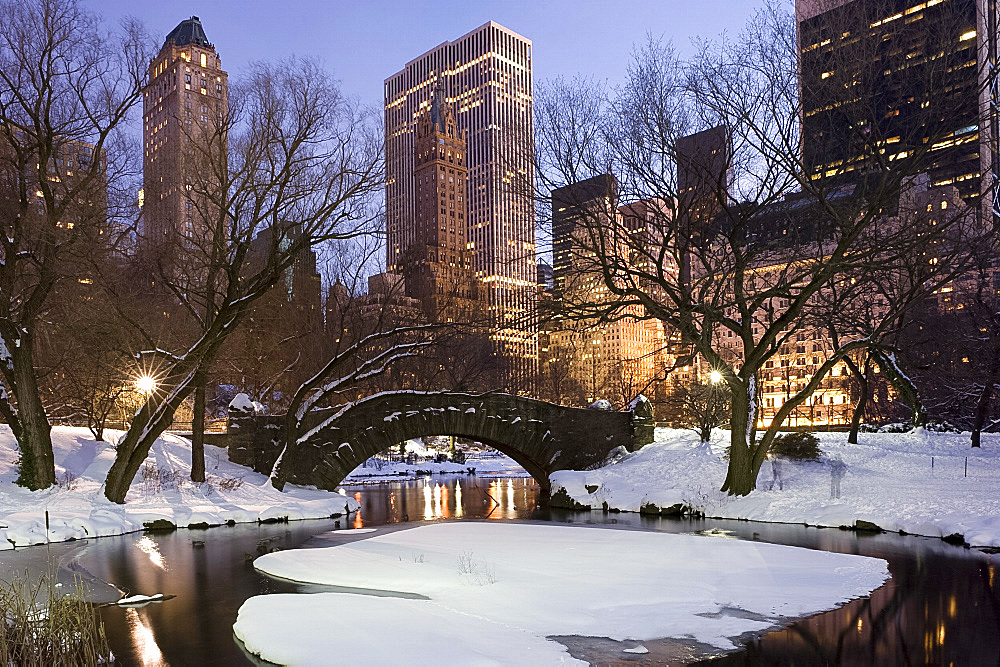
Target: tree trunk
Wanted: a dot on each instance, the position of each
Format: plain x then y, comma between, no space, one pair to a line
859,407
741,477
133,449
198,429
38,470
906,388
985,397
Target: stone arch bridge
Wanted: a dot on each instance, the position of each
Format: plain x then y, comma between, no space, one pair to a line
542,437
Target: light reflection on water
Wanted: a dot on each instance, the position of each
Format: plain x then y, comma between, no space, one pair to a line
149,547
143,640
432,499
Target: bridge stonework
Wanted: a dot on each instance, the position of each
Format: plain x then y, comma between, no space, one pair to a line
542,437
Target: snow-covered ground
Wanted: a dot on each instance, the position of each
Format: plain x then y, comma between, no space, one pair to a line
889,482
492,593
488,463
162,489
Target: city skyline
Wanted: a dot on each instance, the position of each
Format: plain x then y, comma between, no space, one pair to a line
569,38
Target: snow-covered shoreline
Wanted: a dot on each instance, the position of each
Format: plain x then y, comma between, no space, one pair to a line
161,492
891,483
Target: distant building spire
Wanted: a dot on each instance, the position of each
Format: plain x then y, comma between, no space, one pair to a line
188,31
437,106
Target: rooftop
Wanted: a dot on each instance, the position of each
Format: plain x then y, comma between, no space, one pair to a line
188,31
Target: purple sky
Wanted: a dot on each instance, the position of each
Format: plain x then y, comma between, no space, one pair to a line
364,41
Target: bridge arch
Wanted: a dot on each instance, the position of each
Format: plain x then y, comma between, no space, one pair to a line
542,437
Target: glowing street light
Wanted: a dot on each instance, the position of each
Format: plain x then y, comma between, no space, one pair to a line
715,377
145,384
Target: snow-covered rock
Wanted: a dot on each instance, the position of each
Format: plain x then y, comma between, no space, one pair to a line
601,404
637,401
242,403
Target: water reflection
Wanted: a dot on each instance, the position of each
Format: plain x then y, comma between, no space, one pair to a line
939,608
148,547
942,605
143,641
450,498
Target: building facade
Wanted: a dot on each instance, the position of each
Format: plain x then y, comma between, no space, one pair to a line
186,94
437,265
486,76
613,357
888,80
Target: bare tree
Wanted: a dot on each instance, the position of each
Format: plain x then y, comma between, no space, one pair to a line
298,167
735,263
703,406
66,86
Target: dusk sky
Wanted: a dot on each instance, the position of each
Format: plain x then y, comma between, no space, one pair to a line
363,42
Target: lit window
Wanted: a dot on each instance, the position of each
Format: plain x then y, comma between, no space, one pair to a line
204,60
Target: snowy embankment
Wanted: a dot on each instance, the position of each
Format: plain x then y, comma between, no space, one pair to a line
492,593
492,464
162,491
890,482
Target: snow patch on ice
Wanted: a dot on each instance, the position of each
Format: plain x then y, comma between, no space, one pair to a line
497,590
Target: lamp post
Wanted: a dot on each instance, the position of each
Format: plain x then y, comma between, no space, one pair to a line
145,384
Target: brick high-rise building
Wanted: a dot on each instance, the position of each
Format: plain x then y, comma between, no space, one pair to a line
613,357
703,172
186,92
437,264
486,75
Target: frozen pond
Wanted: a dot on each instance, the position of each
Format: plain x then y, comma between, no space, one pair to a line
942,604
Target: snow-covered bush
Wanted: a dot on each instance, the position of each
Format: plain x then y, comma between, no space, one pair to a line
942,427
799,446
896,427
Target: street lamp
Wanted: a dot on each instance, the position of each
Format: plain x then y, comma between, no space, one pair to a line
715,377
145,384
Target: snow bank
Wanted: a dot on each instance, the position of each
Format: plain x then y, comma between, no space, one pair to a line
497,590
242,403
889,482
494,466
161,491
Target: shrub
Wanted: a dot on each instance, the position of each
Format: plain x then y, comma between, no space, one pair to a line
896,427
47,627
942,427
800,446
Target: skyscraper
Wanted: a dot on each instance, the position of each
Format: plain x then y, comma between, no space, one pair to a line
486,75
186,92
575,207
437,265
889,80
